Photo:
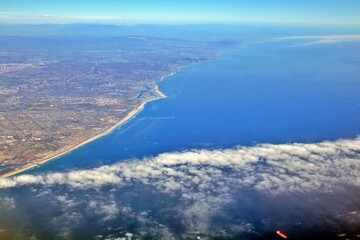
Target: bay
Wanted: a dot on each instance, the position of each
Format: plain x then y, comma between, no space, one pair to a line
273,92
266,93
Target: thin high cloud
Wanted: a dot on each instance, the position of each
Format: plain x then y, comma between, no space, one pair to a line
270,168
323,39
55,19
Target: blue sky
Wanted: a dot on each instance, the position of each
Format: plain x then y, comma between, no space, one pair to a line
320,12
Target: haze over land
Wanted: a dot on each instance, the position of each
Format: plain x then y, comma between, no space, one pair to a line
59,91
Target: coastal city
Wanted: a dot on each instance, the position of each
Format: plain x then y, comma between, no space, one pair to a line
55,97
179,120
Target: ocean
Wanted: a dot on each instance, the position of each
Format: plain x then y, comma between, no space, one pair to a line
267,93
280,95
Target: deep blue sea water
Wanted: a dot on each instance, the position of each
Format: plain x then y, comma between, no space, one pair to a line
272,92
266,93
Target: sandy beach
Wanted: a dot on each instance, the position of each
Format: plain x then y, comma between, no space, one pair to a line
129,116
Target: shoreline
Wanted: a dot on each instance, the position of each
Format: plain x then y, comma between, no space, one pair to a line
128,117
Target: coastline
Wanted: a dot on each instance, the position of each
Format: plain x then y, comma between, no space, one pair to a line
128,117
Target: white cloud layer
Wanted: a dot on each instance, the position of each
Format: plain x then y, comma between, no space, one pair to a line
323,39
195,187
7,203
271,168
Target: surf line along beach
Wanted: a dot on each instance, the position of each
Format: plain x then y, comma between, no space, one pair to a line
129,116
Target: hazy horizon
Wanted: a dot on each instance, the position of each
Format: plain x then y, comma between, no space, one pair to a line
320,13
179,120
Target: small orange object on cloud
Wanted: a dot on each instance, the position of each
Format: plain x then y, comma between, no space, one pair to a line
281,234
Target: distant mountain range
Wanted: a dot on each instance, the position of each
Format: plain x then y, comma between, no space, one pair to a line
201,32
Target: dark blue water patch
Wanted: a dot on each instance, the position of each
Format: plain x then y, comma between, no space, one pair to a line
266,93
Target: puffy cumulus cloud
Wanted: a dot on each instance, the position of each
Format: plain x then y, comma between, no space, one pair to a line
65,223
221,192
7,203
66,201
320,39
295,167
106,209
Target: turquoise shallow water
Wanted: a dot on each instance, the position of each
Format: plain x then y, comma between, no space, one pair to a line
266,93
